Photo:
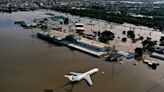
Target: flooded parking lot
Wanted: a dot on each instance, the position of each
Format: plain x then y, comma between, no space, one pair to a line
28,64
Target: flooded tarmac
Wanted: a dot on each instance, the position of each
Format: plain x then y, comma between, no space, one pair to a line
28,64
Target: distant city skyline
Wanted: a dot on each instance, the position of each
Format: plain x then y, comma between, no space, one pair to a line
85,0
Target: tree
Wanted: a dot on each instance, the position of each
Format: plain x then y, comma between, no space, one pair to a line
44,27
148,44
10,10
124,39
162,41
106,36
124,32
131,34
141,38
139,52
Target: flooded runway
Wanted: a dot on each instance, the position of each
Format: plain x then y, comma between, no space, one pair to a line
28,64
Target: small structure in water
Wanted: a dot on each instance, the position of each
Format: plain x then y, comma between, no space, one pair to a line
159,50
158,56
114,57
151,63
23,24
126,54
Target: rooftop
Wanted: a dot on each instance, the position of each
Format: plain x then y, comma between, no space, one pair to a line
79,24
95,43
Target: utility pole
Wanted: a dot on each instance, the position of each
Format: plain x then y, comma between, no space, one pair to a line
113,68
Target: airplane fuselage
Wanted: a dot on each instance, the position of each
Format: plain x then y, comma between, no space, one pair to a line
73,76
90,72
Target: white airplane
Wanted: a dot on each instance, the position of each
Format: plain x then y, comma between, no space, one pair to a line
74,77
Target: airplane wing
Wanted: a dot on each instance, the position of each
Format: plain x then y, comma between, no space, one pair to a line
74,73
88,79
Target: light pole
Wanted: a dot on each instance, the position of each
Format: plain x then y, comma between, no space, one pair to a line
113,68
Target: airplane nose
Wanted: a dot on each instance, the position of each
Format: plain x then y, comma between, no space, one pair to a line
96,69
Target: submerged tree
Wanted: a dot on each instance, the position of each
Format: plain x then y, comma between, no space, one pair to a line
106,36
148,44
141,38
124,39
139,52
124,32
131,34
162,41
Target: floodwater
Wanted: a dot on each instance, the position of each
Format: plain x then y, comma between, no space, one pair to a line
94,25
28,64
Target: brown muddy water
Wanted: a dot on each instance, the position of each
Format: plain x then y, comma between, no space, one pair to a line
28,64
